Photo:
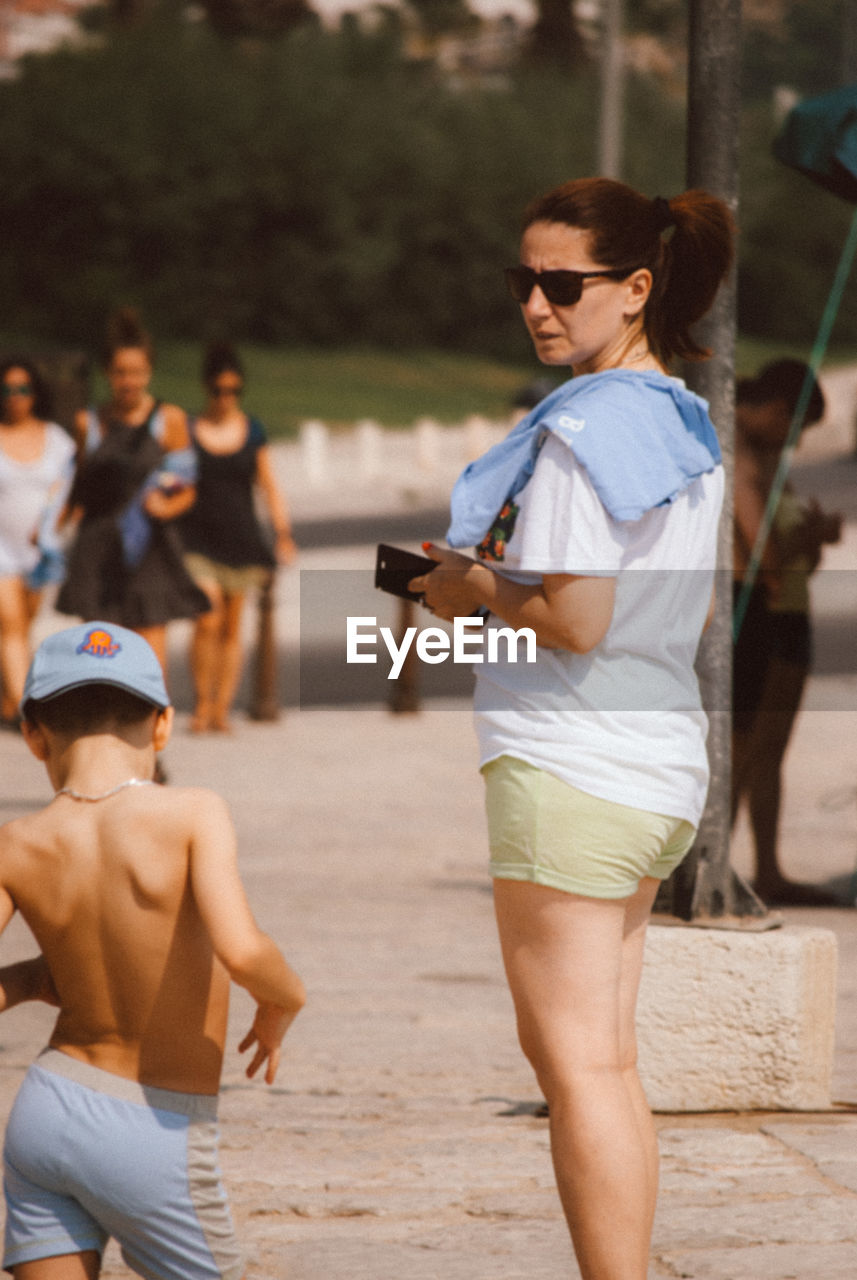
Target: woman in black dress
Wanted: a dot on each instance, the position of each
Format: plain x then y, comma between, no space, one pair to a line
227,551
134,478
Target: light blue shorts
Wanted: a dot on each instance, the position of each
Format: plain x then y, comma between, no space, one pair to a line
89,1155
544,830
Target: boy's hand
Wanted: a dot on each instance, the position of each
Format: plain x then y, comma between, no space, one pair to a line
269,1026
27,980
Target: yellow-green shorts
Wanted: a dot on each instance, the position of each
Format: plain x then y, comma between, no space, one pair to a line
544,830
232,581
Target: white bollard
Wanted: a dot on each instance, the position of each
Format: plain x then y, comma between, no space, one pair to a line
368,435
477,436
315,453
427,438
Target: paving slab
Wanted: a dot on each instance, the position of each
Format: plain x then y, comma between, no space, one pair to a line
401,1138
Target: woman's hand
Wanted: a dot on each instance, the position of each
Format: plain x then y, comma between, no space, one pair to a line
452,589
286,548
565,611
168,506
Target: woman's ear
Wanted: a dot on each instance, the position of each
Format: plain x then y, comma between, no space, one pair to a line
163,728
638,286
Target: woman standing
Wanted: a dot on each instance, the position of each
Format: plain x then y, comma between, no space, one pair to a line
772,656
595,522
134,479
227,551
35,467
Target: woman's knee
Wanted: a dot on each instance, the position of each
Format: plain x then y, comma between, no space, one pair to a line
566,1057
14,617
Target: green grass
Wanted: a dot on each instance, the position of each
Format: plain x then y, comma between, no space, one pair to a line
340,387
752,353
289,386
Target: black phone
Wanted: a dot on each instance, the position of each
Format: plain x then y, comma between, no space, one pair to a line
394,568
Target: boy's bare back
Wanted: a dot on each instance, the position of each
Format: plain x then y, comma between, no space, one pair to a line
111,891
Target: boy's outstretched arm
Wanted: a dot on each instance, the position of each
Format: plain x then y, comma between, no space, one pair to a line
250,956
27,980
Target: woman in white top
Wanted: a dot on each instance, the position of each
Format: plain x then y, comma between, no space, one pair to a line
595,523
35,468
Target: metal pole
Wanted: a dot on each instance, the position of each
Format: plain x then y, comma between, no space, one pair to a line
707,888
610,130
264,703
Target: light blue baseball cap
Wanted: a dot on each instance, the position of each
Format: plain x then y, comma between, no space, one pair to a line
95,653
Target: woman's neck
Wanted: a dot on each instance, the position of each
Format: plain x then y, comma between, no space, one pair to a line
630,351
132,415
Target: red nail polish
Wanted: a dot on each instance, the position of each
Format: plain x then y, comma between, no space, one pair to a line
426,546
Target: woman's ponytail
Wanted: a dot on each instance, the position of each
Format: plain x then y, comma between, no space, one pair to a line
695,260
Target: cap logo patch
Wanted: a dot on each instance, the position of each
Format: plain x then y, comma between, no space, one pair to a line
99,644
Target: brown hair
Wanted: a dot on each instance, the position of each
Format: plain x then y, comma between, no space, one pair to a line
627,229
89,708
220,357
786,380
124,331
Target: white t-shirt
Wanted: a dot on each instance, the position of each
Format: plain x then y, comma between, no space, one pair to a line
625,721
26,489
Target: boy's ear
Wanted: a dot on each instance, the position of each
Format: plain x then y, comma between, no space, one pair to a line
163,727
34,736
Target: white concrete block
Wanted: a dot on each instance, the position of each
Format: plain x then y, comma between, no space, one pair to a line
369,438
315,452
733,1021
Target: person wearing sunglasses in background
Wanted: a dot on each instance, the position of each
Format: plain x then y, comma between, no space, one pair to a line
226,549
35,468
134,479
595,523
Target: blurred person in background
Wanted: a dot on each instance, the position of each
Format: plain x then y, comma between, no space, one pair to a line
36,458
135,477
227,550
772,656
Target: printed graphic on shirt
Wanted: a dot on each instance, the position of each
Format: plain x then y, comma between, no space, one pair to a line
493,545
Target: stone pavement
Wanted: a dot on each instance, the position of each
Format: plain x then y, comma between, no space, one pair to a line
401,1138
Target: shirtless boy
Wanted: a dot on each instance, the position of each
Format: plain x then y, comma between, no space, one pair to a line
133,894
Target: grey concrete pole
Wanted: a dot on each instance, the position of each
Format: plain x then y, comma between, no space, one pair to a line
707,887
610,125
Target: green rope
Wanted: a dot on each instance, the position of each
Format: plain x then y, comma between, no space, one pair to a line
830,311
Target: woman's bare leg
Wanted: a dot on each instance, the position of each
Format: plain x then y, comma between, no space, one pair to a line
17,609
157,638
573,965
774,722
204,656
230,658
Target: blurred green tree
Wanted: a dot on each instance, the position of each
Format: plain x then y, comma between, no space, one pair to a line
319,186
555,39
263,18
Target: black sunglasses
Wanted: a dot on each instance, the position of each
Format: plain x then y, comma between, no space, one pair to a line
562,288
16,389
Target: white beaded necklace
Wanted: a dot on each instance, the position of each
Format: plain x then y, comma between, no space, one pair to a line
105,795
